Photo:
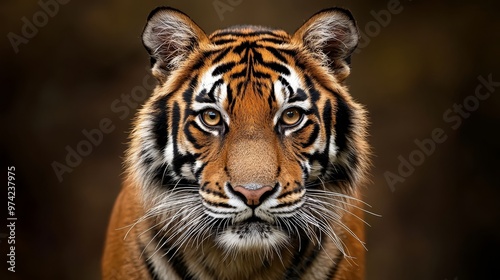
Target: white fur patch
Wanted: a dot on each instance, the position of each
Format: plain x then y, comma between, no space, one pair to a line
282,94
220,94
252,236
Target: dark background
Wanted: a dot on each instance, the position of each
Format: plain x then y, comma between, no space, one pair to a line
439,222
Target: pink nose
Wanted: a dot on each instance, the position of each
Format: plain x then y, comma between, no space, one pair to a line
252,196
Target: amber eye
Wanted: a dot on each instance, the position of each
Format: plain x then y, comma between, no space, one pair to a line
211,117
291,116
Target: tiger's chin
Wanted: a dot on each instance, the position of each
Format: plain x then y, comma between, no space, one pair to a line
252,237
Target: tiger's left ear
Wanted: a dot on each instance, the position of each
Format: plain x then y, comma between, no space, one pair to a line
170,36
331,36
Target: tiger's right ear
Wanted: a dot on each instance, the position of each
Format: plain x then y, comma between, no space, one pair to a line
330,36
170,36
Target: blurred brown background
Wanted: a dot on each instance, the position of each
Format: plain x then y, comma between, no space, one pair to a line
439,222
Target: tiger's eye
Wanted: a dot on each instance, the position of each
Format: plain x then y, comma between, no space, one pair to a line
211,117
291,116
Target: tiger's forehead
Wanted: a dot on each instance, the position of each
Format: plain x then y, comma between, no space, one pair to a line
249,33
248,86
250,65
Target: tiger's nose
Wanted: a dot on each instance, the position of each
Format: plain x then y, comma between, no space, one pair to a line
253,195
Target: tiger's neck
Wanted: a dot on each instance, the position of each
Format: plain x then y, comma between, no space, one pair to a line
208,261
301,260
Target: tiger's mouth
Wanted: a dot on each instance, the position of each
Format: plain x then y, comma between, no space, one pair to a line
252,227
251,235
253,220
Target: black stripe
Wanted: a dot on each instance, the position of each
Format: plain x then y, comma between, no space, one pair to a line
200,62
304,259
300,95
223,41
223,68
352,158
273,40
239,88
292,53
211,93
176,119
244,46
276,53
220,205
147,159
296,269
215,193
314,255
196,126
172,255
150,268
313,92
327,123
180,160
149,264
161,175
187,95
283,205
160,123
312,137
221,56
340,173
203,97
286,84
285,194
190,136
238,33
272,65
276,67
271,98
261,75
240,74
229,94
306,125
334,269
198,172
177,263
343,123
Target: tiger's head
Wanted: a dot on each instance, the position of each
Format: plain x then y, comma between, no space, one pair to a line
250,139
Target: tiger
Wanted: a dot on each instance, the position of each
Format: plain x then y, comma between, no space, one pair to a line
249,158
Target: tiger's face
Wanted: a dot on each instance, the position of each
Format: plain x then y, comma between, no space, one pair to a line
251,139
